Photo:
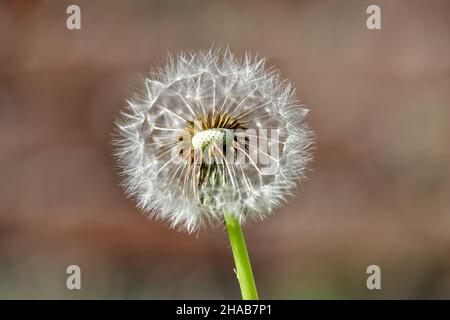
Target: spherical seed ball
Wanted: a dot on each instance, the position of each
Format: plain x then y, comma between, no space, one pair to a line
212,132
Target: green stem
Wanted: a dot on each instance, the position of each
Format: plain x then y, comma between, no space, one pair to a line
241,259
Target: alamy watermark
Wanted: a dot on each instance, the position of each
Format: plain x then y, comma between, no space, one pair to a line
374,280
73,281
373,21
73,21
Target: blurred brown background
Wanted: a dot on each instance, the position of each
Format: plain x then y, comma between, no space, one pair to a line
379,189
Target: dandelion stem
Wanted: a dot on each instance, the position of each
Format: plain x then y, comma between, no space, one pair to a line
243,267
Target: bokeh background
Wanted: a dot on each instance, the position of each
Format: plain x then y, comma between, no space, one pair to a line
378,192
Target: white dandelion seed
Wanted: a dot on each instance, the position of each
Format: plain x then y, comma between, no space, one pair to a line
190,109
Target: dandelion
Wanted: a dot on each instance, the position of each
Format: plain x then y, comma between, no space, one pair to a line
213,138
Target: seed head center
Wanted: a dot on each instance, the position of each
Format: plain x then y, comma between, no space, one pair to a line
216,136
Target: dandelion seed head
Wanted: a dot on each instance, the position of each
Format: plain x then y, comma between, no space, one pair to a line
211,132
